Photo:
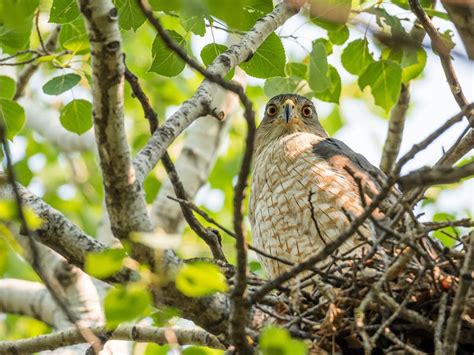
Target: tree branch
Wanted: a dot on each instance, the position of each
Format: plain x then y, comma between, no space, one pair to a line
135,333
123,192
202,102
425,177
453,325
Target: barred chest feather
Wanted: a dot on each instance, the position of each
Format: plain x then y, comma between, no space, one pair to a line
298,202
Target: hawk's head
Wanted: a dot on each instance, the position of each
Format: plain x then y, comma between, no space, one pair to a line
286,114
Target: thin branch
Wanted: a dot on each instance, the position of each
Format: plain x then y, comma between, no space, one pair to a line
453,324
440,324
443,52
425,177
465,222
209,237
29,70
396,124
135,333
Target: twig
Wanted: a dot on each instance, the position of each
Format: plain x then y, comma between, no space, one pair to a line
135,333
453,324
465,222
396,124
443,52
27,72
209,219
425,177
408,348
440,324
38,32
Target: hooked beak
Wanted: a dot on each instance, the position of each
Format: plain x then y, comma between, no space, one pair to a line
288,109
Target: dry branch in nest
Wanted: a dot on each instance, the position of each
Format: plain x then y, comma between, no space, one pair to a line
402,292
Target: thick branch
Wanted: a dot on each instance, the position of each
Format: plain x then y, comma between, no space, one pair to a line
202,102
123,192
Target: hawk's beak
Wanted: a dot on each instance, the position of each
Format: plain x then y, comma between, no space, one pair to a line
289,105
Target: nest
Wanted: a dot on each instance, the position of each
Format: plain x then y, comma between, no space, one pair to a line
412,299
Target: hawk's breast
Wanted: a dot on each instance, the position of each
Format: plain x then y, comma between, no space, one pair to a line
298,201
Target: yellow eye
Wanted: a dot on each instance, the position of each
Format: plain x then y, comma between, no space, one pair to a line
271,110
307,111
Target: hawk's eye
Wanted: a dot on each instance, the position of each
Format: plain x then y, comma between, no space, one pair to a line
271,110
307,111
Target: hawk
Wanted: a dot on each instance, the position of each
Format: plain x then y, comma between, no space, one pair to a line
305,189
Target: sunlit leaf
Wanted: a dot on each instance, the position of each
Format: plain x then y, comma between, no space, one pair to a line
7,87
73,36
130,14
32,219
168,5
327,45
155,349
330,14
333,122
443,234
296,69
201,350
122,304
60,84
340,36
63,11
269,59
210,52
105,263
333,92
200,279
384,78
356,56
275,340
281,85
192,17
12,116
165,61
412,60
319,79
76,116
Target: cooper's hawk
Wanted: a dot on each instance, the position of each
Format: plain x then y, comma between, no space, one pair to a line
304,191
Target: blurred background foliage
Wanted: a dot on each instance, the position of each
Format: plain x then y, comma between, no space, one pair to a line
353,76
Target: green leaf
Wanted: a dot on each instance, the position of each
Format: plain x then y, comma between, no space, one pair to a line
7,87
168,5
201,350
296,69
63,11
60,84
76,116
73,36
442,237
15,10
275,340
130,14
384,78
12,117
281,85
123,304
165,61
192,17
333,92
356,56
200,279
384,19
334,121
319,80
162,316
269,59
330,14
16,20
340,36
105,263
210,52
435,13
412,60
326,43
155,349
